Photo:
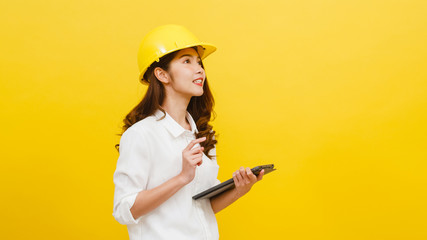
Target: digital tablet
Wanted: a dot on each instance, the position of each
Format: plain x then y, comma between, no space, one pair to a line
229,184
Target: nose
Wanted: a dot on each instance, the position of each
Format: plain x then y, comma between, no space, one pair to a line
200,69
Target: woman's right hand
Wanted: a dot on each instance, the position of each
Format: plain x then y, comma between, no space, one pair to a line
191,158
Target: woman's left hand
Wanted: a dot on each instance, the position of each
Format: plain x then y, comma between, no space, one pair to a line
244,179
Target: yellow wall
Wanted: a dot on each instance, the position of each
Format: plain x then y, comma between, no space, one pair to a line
334,93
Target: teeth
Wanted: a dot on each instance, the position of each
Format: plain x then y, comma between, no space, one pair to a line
198,81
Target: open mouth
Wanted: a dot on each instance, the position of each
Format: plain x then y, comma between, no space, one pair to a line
198,81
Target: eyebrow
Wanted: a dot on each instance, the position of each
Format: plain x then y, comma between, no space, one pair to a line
189,55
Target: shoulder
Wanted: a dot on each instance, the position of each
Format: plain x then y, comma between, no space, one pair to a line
142,128
144,124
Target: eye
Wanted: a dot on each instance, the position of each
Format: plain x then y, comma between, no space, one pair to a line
187,61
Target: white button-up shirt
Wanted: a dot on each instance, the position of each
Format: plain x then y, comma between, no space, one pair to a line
151,154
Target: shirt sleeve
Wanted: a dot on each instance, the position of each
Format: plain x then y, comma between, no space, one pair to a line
131,174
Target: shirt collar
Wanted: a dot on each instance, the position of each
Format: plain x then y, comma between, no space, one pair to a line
172,126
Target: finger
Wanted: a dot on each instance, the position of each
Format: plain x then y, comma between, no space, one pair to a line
250,174
196,150
260,175
239,176
245,177
194,142
197,157
200,162
236,180
196,162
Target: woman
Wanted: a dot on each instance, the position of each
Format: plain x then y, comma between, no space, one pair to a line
167,149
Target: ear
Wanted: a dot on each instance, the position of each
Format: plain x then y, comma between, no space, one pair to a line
162,75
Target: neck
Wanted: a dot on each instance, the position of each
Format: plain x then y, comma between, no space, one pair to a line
177,109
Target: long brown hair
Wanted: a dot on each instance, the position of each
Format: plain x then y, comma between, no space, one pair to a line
200,108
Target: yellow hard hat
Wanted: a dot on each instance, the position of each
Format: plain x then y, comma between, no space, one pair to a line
166,39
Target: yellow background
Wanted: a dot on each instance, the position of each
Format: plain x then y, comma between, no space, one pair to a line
334,93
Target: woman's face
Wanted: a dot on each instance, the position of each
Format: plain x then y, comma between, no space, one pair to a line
187,73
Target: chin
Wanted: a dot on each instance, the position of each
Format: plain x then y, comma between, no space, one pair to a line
198,94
